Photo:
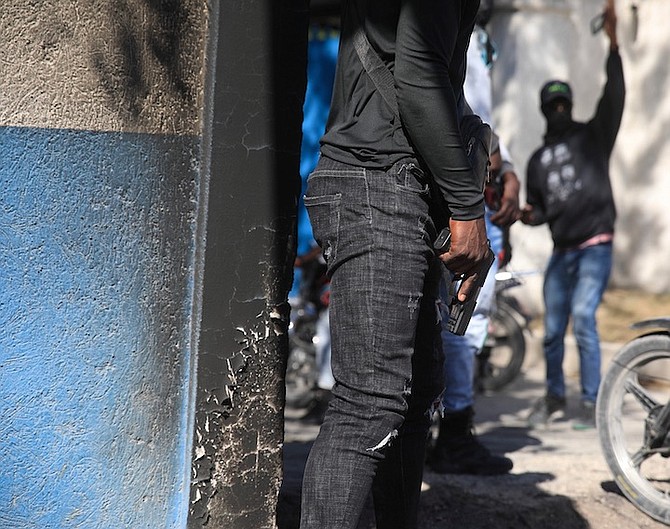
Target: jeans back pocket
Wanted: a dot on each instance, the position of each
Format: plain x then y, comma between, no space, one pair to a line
324,215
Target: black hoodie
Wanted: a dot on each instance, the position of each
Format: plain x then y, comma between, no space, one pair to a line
568,181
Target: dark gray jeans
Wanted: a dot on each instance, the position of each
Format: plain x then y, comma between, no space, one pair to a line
376,233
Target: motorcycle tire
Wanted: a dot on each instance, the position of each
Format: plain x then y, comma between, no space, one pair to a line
636,386
504,350
301,373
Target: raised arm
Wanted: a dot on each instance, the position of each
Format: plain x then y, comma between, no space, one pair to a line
609,111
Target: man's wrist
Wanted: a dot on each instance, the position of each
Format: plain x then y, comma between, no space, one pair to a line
468,213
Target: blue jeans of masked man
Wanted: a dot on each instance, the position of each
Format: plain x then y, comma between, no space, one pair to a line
574,283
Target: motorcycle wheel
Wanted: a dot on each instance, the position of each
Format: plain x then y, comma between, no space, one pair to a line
636,386
504,350
301,373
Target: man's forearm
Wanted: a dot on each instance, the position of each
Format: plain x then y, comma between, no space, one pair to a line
428,101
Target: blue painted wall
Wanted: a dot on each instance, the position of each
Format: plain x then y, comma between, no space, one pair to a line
97,263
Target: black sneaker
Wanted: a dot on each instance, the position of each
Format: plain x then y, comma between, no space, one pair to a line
546,409
586,420
466,455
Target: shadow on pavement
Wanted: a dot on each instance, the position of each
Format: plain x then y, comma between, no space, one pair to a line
466,502
611,486
506,439
475,503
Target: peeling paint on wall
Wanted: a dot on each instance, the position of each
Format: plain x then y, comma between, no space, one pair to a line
257,93
238,426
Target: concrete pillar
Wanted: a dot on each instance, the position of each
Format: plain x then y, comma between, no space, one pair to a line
113,118
259,83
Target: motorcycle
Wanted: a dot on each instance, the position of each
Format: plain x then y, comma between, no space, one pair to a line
633,418
302,371
500,360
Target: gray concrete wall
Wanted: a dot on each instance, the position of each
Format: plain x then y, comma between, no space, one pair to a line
540,39
126,66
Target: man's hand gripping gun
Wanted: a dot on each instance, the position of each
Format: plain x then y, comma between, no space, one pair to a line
477,137
460,312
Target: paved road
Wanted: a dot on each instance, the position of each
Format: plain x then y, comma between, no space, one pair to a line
559,480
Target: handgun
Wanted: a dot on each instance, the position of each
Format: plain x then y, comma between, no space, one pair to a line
597,23
443,241
460,312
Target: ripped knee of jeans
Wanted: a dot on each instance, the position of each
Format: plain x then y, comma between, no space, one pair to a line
385,442
407,390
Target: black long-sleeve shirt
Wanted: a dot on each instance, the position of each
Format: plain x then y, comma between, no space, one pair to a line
424,45
568,180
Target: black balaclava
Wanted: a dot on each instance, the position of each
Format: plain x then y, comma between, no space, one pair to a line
558,121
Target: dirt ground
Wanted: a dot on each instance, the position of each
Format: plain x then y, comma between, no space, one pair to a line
560,478
622,307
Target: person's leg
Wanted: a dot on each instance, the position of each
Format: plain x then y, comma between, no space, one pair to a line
559,282
376,236
457,449
595,264
459,359
397,483
460,351
478,328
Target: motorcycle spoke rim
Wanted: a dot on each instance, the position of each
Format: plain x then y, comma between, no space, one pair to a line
632,385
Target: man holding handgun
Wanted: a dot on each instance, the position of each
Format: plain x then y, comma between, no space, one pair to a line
568,186
391,156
